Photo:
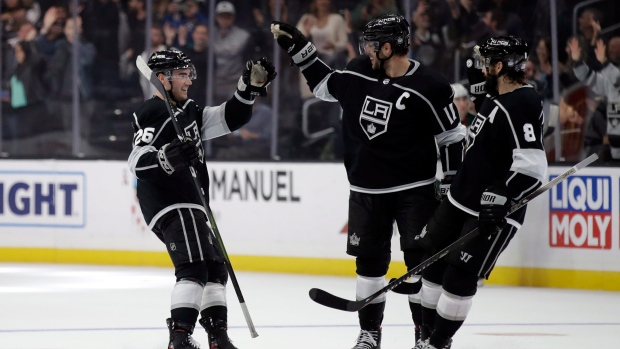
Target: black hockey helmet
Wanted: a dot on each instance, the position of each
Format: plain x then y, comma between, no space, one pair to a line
392,28
167,61
510,50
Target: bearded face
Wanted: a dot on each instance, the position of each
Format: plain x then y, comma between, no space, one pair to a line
491,76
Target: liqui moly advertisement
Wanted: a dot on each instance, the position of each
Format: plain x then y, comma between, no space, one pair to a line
580,213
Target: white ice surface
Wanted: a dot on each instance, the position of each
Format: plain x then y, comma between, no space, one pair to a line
71,306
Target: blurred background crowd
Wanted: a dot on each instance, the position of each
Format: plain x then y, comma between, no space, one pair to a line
69,84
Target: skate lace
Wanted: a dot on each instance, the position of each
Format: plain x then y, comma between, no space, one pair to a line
366,340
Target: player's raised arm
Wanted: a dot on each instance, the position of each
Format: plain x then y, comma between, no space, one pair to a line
236,112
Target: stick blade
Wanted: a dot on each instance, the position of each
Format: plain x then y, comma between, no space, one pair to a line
329,300
148,73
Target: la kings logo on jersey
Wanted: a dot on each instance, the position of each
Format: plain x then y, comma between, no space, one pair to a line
375,116
192,131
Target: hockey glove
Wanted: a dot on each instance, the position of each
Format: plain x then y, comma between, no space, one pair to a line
256,77
444,187
494,206
477,83
178,155
294,43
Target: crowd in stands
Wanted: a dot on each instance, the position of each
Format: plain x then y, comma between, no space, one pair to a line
39,92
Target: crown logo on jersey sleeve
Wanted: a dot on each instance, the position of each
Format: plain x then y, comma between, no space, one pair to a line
375,116
354,240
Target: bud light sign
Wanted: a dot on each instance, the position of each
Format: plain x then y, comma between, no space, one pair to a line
580,212
50,199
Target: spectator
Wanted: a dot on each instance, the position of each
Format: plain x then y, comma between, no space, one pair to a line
59,77
609,69
128,71
28,91
604,87
262,39
136,19
52,31
230,44
197,52
595,140
613,51
252,141
589,25
467,24
536,78
191,18
427,45
328,32
101,28
369,9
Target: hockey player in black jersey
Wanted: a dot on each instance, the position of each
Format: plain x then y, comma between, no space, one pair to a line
169,200
505,161
398,118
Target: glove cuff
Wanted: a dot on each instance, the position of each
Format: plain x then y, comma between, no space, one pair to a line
163,160
306,53
478,89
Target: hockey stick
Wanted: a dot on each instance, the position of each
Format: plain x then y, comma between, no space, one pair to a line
148,73
329,300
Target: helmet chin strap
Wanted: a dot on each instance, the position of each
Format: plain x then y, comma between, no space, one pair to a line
383,60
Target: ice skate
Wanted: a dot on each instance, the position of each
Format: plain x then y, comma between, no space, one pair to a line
181,335
368,340
430,346
421,344
218,335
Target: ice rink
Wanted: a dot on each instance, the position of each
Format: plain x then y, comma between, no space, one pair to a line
71,306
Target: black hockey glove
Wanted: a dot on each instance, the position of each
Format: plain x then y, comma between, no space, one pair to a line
178,155
494,206
477,83
444,186
256,77
294,43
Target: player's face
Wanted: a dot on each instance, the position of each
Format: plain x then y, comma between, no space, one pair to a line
490,75
374,57
181,82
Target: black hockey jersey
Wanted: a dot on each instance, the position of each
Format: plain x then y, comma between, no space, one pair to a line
159,192
392,127
504,145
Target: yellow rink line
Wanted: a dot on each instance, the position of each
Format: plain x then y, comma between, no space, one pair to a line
509,276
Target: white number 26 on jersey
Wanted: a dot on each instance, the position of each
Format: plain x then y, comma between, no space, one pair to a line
145,135
528,132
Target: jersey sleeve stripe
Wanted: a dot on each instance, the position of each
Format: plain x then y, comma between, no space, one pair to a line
425,100
243,100
358,74
527,191
530,162
321,90
135,117
514,133
303,67
214,122
454,114
135,155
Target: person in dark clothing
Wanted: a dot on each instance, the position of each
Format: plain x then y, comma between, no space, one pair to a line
396,115
169,200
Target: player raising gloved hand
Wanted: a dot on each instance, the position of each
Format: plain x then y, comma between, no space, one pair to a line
257,76
494,206
302,51
475,76
178,155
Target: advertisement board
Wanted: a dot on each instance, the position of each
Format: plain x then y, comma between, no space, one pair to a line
287,217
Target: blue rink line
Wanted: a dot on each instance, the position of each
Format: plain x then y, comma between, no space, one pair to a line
312,326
